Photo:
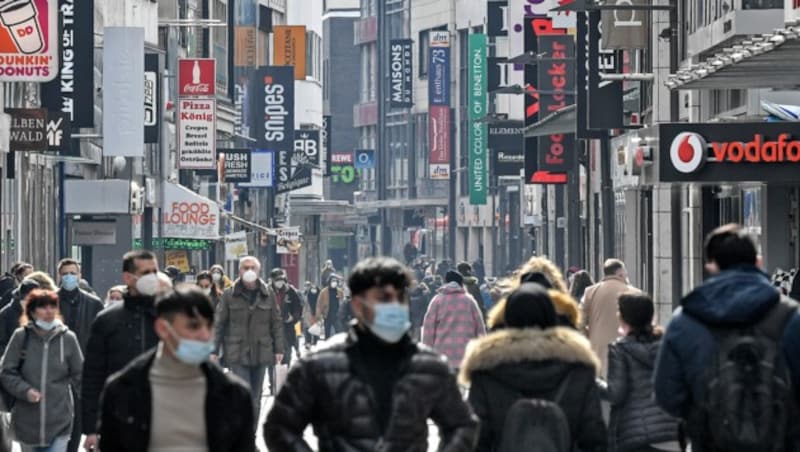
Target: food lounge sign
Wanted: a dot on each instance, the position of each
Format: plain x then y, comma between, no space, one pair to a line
733,152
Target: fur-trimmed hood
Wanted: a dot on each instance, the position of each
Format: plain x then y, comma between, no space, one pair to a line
529,345
566,308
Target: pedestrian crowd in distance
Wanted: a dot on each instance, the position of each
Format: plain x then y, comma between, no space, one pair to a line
531,360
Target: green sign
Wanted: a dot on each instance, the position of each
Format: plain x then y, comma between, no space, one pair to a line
177,244
477,103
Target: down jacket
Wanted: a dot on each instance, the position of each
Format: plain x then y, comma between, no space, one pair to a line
636,420
511,364
327,389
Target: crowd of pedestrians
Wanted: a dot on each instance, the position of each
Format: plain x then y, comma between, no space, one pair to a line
532,359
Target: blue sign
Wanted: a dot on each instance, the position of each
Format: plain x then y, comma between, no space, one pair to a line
439,69
365,159
261,169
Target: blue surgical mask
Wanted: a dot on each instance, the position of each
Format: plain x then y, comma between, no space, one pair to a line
190,351
391,322
69,282
46,326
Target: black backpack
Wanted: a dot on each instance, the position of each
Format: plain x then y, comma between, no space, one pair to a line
537,425
8,399
749,400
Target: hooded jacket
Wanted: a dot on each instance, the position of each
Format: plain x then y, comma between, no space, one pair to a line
118,335
452,320
330,389
472,288
53,366
511,364
736,297
567,310
636,420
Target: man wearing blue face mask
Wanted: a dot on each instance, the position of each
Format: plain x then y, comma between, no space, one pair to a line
373,388
173,397
78,309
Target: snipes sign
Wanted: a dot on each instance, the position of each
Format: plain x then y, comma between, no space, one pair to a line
732,152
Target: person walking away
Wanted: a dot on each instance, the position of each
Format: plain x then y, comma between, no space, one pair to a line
115,296
452,320
581,281
600,309
373,388
10,314
119,334
205,282
418,303
532,358
291,309
328,270
637,424
328,305
11,280
471,284
250,330
41,369
78,310
172,398
735,313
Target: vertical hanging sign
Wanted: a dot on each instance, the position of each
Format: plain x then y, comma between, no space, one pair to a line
477,105
401,83
197,112
439,105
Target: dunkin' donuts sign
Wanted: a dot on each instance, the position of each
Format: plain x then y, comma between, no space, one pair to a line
28,40
732,152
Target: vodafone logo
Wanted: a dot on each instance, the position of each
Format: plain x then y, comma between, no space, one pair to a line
688,152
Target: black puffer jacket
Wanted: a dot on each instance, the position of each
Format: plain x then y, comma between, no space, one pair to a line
636,420
328,389
510,364
118,335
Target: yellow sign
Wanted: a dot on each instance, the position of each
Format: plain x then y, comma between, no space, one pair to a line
290,48
178,258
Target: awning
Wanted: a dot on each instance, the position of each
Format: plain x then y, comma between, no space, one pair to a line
402,203
560,121
771,60
308,207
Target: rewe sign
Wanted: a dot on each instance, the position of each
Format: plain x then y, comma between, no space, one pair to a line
730,152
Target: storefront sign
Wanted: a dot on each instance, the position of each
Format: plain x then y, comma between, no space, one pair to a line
497,73
92,233
235,246
342,168
189,215
439,68
261,169
75,80
196,77
178,258
29,49
235,165
290,48
152,98
306,147
291,173
497,18
626,29
28,129
365,159
325,138
244,46
58,133
400,72
242,103
477,105
734,152
123,75
439,142
272,88
287,240
557,76
197,134
605,98
505,144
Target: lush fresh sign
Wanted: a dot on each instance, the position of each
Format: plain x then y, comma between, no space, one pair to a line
478,133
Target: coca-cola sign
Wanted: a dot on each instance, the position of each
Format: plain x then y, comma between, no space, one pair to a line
196,77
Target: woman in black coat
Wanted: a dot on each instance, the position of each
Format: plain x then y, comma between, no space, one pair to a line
637,423
530,358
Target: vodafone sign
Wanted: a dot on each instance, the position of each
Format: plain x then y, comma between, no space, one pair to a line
732,152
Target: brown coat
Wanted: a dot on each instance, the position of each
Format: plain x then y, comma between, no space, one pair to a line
600,314
324,301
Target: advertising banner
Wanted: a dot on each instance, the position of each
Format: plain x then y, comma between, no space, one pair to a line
75,80
123,75
401,73
439,68
197,133
235,165
29,50
287,237
188,215
235,246
626,29
244,39
262,166
556,76
477,106
28,129
242,105
289,43
732,152
497,18
59,133
152,97
292,171
439,142
197,77
272,88
506,145
342,168
306,147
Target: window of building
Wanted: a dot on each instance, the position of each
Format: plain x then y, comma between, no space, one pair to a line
762,4
326,80
219,36
313,55
723,101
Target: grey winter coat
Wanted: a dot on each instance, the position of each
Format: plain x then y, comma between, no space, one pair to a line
636,419
250,333
53,365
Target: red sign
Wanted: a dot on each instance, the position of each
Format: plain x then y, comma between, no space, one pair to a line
689,151
439,133
196,77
